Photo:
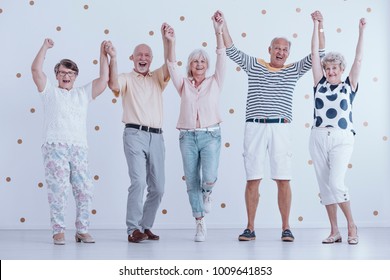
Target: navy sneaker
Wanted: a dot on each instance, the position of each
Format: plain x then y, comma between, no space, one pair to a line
287,236
247,235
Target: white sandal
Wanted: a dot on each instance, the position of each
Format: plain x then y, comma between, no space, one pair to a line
333,239
353,240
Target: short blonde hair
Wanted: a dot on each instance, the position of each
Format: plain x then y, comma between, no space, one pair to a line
334,58
196,54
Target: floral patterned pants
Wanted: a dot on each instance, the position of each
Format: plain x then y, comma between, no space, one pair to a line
65,166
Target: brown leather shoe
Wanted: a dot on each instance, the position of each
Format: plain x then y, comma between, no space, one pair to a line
150,235
137,236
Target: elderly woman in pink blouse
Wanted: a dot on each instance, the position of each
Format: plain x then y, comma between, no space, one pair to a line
200,135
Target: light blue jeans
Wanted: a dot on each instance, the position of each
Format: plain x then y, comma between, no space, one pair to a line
200,152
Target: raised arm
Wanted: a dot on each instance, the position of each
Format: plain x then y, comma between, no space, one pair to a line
315,56
38,75
355,70
167,46
321,32
100,84
218,26
227,39
169,35
177,78
113,70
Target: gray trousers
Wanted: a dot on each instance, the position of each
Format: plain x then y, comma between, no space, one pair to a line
145,155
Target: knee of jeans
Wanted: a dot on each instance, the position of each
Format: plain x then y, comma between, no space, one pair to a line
208,185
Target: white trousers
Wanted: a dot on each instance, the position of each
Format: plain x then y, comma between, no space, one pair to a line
331,151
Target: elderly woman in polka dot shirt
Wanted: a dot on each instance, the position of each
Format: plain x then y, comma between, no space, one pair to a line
332,136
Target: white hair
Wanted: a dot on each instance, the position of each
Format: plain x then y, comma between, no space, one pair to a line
196,54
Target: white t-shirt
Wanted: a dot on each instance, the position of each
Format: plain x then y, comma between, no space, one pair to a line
65,114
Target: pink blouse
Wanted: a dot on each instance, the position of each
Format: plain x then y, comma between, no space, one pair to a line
201,103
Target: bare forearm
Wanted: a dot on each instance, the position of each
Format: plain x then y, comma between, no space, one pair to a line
220,41
359,47
113,75
104,67
315,56
226,36
314,39
321,35
172,51
167,46
37,64
38,75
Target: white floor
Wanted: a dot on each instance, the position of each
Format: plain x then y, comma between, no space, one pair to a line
221,244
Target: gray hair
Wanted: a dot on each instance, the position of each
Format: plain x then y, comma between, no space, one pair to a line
277,38
196,54
334,58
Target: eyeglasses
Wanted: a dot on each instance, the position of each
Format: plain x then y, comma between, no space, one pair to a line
63,73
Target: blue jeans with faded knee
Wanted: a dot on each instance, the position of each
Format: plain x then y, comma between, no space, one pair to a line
200,152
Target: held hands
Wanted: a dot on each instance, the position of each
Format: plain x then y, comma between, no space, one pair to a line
317,16
108,48
218,21
168,32
48,43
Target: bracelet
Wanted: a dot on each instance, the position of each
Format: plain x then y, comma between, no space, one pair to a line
321,30
218,33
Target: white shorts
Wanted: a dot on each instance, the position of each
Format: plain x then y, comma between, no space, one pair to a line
331,150
274,139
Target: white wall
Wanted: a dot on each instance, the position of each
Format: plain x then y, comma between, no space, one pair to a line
25,24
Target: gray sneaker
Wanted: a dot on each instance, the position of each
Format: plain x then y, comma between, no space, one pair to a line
287,236
247,235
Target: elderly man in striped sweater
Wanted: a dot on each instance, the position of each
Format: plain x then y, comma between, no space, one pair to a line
268,122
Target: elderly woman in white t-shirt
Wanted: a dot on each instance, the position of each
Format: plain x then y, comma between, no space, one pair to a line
332,136
200,135
64,146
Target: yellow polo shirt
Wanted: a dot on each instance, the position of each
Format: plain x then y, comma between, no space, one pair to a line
142,100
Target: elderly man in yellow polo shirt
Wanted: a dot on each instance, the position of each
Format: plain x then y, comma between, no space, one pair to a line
141,92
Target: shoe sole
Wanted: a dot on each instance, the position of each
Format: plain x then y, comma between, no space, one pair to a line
137,241
199,240
331,242
243,238
288,239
